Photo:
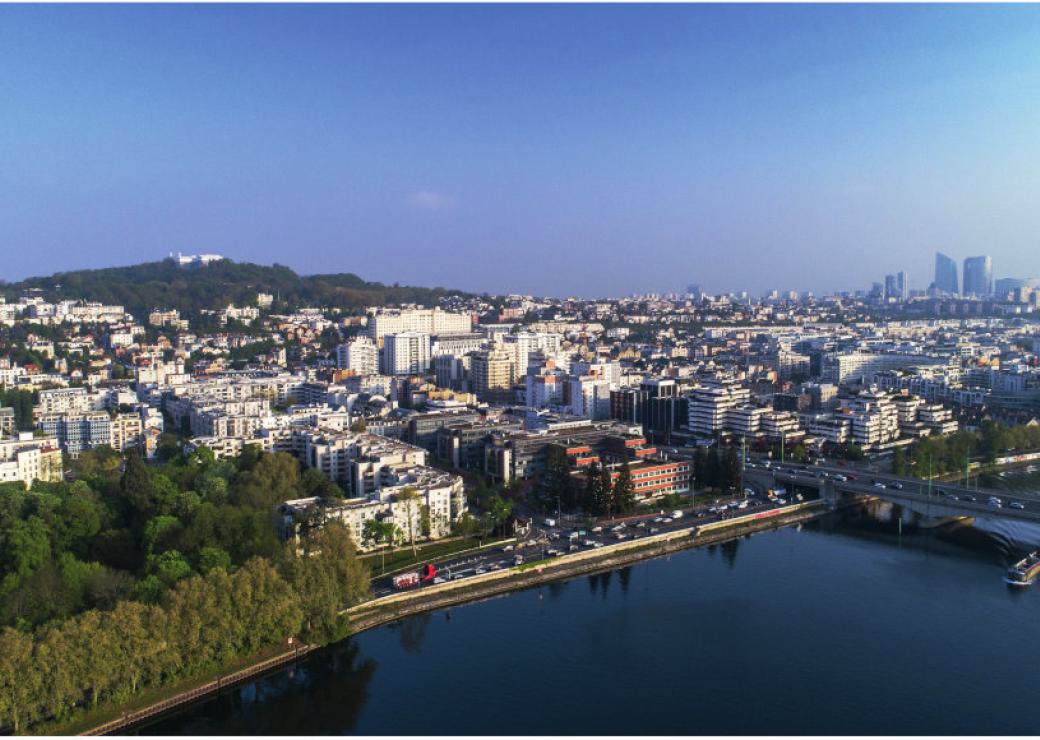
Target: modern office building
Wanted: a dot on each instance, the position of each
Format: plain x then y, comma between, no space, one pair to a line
945,274
978,276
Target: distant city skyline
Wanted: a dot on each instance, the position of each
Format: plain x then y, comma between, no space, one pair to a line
553,150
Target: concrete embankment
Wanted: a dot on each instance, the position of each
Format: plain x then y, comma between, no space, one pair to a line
391,608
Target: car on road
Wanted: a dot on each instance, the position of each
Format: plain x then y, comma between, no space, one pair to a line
641,524
897,486
970,498
507,548
654,530
994,501
840,477
1017,505
597,530
666,520
658,519
879,484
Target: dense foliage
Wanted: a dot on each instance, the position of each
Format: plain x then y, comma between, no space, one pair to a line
142,288
22,402
950,453
133,576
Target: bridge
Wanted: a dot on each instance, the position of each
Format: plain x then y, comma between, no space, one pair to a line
940,501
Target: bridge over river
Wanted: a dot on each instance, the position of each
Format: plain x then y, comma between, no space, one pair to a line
1016,520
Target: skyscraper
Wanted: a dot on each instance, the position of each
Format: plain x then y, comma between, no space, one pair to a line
903,285
945,274
978,276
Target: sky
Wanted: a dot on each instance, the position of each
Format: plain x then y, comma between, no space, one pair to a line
585,150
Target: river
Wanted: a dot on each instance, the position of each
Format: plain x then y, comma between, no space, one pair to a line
841,626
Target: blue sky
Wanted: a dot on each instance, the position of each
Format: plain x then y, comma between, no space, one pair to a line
578,149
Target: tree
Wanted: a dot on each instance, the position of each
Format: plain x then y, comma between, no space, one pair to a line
213,557
498,510
899,463
730,469
595,494
558,481
713,470
410,498
19,689
275,478
136,485
378,531
700,467
327,577
624,493
425,521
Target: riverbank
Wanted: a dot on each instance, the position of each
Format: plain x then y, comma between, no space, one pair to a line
377,612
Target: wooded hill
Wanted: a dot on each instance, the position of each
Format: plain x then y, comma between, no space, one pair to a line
142,288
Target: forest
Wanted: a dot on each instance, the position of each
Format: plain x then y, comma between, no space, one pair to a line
133,576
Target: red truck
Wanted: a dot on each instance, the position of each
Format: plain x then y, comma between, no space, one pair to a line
408,580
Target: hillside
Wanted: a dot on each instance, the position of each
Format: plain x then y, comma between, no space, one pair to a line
141,288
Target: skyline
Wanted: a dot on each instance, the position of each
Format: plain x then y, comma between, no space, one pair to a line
525,149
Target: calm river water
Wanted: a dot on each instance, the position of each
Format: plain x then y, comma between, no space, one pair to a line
842,627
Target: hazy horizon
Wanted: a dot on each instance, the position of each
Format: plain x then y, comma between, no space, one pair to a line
551,150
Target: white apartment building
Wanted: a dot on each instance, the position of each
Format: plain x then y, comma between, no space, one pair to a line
360,355
875,419
841,366
407,353
746,421
711,403
67,400
28,458
589,397
76,432
522,344
429,321
457,345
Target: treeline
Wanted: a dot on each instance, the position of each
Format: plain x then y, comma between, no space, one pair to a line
183,555
716,469
596,493
951,453
141,288
201,625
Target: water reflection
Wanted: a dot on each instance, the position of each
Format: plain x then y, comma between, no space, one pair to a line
285,702
624,577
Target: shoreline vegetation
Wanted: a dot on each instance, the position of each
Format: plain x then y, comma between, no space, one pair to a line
135,578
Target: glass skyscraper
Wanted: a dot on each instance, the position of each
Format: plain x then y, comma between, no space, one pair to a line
978,276
945,274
